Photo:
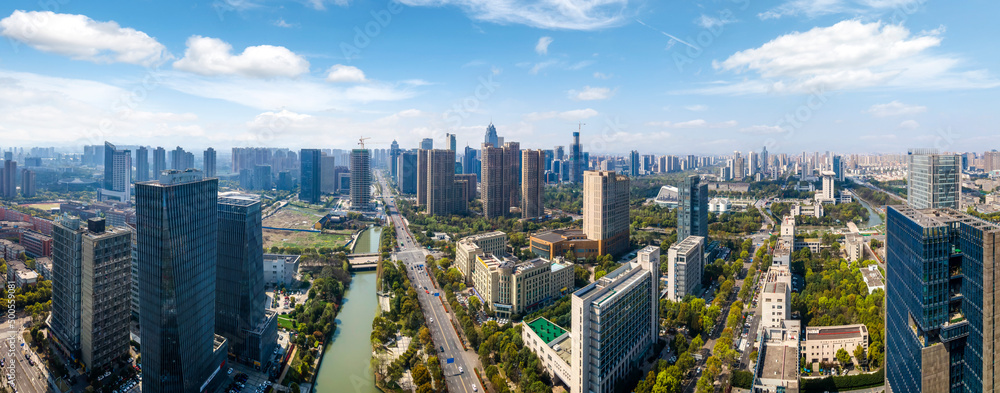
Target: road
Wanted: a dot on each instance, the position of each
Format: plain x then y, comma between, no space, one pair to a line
27,378
439,320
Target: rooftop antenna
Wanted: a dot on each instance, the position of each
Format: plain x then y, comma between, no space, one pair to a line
580,126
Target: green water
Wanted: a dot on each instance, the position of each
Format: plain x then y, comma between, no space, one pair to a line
873,217
368,242
346,363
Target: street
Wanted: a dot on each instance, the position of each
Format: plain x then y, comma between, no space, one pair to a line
442,330
27,378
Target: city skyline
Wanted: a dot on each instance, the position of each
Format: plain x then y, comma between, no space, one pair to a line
278,74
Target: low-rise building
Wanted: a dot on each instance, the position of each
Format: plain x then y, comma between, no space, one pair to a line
686,265
873,278
280,269
43,266
812,210
492,243
559,242
20,274
508,286
552,344
719,205
821,343
10,250
35,243
854,247
777,368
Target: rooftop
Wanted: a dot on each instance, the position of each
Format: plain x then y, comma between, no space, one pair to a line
780,362
557,235
775,287
836,332
547,330
872,277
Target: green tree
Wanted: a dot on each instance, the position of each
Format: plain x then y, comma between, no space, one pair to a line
421,375
859,353
843,357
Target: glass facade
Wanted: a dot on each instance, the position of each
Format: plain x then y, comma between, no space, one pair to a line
66,249
177,240
934,180
692,215
310,172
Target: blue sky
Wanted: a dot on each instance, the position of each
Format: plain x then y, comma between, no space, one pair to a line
660,77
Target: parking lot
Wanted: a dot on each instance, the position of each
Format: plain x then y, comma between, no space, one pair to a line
254,382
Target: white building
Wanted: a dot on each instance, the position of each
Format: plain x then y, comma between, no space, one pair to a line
686,265
490,243
280,269
719,205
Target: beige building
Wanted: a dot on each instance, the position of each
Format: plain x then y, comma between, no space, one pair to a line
775,297
508,286
532,183
686,267
777,368
821,343
605,210
490,243
552,345
854,247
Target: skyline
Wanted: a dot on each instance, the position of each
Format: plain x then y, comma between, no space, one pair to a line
703,78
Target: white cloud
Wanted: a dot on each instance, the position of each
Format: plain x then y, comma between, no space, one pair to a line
601,75
82,38
696,123
696,108
212,56
895,108
542,47
909,125
877,137
711,22
556,14
762,130
543,65
816,8
573,115
340,73
848,55
591,93
282,23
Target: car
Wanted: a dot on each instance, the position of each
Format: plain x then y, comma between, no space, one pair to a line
460,370
474,389
230,372
442,348
432,320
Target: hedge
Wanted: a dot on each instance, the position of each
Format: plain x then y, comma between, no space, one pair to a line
850,382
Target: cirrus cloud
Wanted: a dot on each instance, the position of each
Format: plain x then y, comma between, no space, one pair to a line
542,47
561,14
895,108
591,93
212,56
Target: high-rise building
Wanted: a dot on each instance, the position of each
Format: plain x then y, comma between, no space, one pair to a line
177,229
262,179
28,183
427,144
498,179
764,164
491,136
442,198
311,183
406,172
615,324
605,211
393,157
687,265
634,164
532,183
470,162
159,162
91,291
241,314
361,179
422,176
940,326
142,164
210,166
117,174
512,173
328,174
838,168
8,180
934,180
692,213
452,142
179,160
576,161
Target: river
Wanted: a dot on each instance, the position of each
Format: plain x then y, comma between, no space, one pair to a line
368,241
873,218
346,363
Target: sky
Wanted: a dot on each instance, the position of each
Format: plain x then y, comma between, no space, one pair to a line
658,77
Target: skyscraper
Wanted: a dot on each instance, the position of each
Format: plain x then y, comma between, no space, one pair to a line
512,172
838,168
28,183
117,174
491,136
532,183
605,211
262,178
441,198
393,157
328,174
934,180
241,314
178,159
633,164
500,187
361,179
941,333
406,172
427,144
451,142
8,180
311,186
692,212
469,161
177,230
142,164
576,164
91,291
159,162
210,165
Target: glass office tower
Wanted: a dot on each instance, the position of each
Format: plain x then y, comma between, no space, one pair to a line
934,179
692,215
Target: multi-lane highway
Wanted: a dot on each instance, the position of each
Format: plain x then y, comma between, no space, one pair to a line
28,378
438,320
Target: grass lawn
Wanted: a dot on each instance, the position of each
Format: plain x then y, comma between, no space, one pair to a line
304,239
285,322
43,206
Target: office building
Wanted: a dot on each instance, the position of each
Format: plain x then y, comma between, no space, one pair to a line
692,212
92,276
491,136
838,168
451,142
483,244
142,164
532,183
821,343
427,144
470,163
117,184
422,176
241,314
280,269
159,162
940,327
394,152
605,211
209,162
571,244
406,172
634,165
686,267
361,179
576,160
934,180
615,324
826,195
28,183
311,183
328,174
508,286
177,277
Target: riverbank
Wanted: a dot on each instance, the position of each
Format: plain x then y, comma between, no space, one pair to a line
346,362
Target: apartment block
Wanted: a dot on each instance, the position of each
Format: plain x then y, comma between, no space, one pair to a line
605,211
686,267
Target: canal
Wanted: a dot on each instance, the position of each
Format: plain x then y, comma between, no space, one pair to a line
346,365
368,241
873,218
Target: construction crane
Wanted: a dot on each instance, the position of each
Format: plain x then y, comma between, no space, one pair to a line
361,141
